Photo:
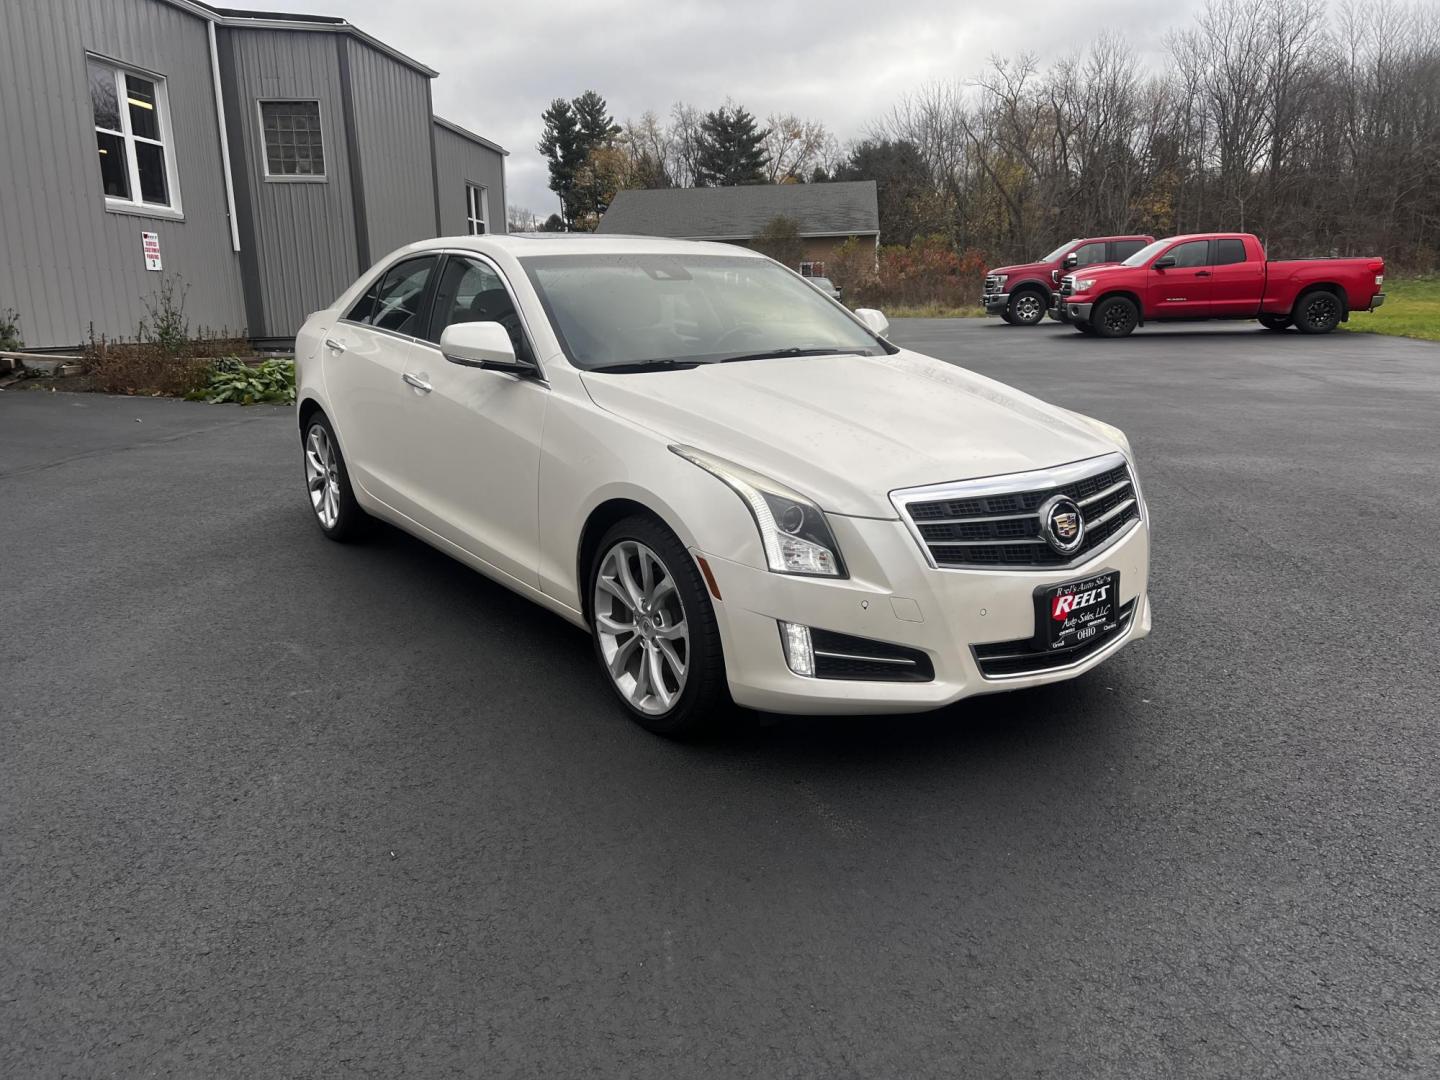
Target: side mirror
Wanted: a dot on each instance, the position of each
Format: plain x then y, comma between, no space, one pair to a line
875,320
482,345
1163,263
1071,261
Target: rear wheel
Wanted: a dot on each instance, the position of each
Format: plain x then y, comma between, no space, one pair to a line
1026,308
1317,312
1115,317
327,482
1275,322
654,629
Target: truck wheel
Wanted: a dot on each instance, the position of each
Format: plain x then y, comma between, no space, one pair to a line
1026,308
1115,317
1317,312
1275,322
1007,316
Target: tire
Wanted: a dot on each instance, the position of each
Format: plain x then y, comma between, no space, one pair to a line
1115,317
1007,316
622,613
1317,312
1084,328
327,483
1026,308
1275,322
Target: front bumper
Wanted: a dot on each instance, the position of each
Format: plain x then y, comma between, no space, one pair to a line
1076,312
894,596
994,303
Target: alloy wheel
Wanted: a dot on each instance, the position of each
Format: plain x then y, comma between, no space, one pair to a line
640,623
1028,309
1119,317
322,477
1322,310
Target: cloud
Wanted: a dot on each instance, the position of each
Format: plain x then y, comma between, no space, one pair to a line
843,63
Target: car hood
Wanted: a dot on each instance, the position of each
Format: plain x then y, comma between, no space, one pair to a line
848,430
1042,269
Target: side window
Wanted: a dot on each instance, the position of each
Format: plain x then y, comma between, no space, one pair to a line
474,292
394,301
1191,253
1228,252
1090,254
1125,248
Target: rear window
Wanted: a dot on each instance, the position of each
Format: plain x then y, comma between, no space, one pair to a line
1229,251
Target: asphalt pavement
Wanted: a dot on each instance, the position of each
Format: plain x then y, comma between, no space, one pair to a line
275,807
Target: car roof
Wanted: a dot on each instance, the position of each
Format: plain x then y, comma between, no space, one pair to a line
519,245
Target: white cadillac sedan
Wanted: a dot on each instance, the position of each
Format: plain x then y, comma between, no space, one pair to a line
739,488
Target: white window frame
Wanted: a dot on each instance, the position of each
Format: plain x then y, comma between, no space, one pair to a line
807,268
136,203
292,178
477,208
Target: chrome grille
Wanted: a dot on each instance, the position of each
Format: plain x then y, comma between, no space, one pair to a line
992,284
1067,285
995,522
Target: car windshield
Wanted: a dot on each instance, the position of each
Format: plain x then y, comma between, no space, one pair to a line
1061,250
1145,254
636,309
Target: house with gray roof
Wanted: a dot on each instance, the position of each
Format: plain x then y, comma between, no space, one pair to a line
827,215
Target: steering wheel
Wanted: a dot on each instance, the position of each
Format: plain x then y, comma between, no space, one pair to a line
740,330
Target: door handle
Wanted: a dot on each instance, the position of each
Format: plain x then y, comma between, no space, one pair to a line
1202,273
417,382
337,346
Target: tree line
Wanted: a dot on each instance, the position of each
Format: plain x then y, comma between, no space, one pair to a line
1316,127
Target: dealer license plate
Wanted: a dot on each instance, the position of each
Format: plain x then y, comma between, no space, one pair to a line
1077,612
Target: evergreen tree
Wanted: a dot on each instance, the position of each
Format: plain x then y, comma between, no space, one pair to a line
902,185
730,150
562,146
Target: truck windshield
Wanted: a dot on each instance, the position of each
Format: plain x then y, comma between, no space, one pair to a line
640,310
1061,250
1145,254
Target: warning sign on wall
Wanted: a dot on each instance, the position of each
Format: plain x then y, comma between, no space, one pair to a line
150,241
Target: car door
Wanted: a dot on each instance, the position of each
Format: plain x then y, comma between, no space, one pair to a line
1090,254
1181,291
1236,284
364,360
475,473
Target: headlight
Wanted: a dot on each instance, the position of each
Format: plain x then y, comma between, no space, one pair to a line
793,530
1081,284
1000,279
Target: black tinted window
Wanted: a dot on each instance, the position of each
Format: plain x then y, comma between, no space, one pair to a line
395,301
1089,254
1193,253
1125,248
474,292
1229,251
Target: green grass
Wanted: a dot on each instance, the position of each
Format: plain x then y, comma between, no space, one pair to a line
1411,309
932,311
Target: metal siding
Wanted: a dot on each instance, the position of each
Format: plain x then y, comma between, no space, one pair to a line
392,129
459,160
68,262
304,231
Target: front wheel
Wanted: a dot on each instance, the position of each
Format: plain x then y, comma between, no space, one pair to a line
654,629
1317,312
1026,309
1275,322
1115,317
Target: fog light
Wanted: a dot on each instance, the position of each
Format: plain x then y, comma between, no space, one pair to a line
799,653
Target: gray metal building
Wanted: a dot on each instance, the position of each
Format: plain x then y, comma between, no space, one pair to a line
263,159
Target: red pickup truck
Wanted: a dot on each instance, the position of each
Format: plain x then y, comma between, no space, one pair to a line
1219,276
1021,294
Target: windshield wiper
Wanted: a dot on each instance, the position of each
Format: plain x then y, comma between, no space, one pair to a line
776,354
664,363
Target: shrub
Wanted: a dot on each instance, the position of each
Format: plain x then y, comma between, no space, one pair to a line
232,380
10,340
927,272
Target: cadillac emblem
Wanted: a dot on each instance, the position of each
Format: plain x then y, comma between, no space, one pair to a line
1062,525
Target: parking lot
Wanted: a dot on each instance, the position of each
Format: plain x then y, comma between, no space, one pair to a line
271,806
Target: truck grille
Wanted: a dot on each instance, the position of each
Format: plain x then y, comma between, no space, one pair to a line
1067,286
992,284
1000,659
995,522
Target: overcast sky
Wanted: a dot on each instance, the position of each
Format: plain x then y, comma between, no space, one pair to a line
843,62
